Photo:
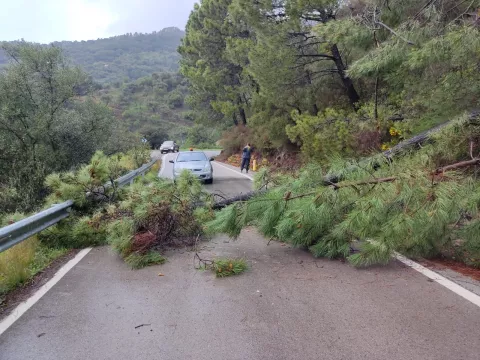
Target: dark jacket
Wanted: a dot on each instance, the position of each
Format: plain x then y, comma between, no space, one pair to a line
247,152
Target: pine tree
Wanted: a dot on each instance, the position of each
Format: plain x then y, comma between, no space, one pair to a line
419,205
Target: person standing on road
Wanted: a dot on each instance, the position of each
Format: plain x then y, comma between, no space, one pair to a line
246,154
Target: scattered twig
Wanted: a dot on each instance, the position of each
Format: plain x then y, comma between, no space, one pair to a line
455,6
430,2
202,263
366,182
139,326
461,15
459,165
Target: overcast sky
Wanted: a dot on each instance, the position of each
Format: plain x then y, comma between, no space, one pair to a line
55,20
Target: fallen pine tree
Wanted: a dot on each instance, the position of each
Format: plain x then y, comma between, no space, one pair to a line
420,204
387,156
425,203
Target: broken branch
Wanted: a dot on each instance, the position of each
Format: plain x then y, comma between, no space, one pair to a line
395,33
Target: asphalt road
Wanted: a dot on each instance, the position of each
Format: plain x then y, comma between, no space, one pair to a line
287,306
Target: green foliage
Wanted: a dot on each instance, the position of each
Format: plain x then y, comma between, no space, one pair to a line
213,77
44,256
330,76
152,105
365,219
138,261
202,137
15,263
95,181
158,216
224,267
235,139
120,234
44,127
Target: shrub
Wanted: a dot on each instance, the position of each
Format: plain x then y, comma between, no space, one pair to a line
235,139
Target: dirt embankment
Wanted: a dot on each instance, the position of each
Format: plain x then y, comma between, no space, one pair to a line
281,161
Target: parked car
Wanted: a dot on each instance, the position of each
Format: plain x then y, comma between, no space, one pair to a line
169,146
196,162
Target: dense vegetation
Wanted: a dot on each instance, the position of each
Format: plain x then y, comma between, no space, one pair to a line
331,76
136,75
125,57
48,122
152,106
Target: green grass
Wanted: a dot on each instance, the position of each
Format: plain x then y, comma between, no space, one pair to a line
22,262
224,267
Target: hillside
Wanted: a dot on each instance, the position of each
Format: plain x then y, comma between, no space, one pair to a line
152,105
124,57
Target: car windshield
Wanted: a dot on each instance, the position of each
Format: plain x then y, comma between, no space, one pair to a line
168,143
191,156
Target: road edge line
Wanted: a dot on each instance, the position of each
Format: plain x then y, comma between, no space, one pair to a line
23,307
449,284
235,171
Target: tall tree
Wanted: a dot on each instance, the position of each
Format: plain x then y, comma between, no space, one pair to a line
43,125
215,80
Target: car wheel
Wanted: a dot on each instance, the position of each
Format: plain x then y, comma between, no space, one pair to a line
209,181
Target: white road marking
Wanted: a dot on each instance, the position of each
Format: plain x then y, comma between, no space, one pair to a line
24,306
235,171
457,289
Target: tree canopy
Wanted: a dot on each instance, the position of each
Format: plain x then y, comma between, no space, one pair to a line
47,120
331,76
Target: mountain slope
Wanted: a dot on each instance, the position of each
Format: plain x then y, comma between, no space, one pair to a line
124,57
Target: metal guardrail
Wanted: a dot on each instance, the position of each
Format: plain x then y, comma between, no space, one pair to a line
128,178
17,232
13,234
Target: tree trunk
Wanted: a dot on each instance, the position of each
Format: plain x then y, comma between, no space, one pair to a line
375,109
309,79
243,116
235,121
346,80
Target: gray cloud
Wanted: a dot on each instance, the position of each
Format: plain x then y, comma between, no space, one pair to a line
150,15
55,20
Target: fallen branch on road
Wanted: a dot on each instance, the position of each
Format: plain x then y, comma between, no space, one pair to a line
242,197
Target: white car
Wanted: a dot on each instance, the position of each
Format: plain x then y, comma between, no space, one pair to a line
196,162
